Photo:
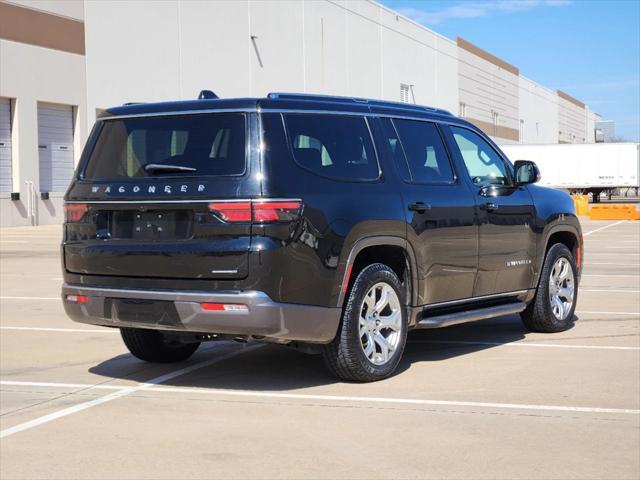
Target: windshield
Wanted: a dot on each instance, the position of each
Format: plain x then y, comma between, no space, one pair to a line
181,145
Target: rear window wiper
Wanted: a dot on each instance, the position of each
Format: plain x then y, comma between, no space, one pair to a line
158,167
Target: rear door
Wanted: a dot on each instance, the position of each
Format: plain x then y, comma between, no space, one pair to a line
439,211
507,248
164,197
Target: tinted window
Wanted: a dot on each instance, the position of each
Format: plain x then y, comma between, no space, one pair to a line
198,145
334,146
483,163
426,155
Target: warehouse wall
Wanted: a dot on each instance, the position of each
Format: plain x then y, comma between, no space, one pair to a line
539,113
90,55
488,92
40,71
572,120
247,48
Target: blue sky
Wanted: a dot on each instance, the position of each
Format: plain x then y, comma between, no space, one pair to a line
588,48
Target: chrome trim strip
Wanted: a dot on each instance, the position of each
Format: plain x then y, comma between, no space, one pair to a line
445,118
217,200
473,299
175,295
173,113
225,272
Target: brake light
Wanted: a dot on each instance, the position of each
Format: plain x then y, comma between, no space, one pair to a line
232,211
260,211
77,298
75,211
275,211
224,307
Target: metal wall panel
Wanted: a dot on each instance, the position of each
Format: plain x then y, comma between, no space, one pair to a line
5,145
55,146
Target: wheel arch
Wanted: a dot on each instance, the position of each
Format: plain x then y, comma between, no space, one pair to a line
393,251
567,235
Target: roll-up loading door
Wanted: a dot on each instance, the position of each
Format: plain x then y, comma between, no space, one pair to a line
55,146
5,145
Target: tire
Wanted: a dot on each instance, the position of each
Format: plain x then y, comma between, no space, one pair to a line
152,346
345,357
539,315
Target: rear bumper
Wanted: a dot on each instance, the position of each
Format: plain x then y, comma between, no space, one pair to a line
181,311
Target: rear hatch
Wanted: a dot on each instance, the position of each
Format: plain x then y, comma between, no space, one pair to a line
165,197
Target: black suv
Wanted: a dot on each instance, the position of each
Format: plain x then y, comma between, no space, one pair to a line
330,224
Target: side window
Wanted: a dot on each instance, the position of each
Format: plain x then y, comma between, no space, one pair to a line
425,152
333,146
484,165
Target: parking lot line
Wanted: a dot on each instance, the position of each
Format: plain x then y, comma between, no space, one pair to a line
30,298
602,228
614,264
614,275
319,397
122,392
525,344
637,314
64,330
608,290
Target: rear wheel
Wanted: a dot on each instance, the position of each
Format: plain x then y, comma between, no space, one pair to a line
373,331
553,307
153,346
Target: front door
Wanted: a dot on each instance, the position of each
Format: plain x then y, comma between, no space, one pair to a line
507,247
439,211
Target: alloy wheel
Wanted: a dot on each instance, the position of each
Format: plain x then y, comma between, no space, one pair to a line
380,323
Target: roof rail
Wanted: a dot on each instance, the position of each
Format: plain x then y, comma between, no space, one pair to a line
132,103
312,97
373,103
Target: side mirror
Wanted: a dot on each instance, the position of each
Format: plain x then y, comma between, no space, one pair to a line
526,172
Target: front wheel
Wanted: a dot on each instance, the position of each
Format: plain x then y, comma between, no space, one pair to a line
153,346
373,331
553,307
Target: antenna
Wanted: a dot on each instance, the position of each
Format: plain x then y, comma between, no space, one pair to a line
207,95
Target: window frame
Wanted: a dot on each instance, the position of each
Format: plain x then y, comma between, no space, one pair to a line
289,141
453,181
100,124
488,141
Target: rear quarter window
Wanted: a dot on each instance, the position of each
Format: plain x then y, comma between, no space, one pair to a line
198,145
338,147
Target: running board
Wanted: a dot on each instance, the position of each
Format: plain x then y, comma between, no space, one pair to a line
448,319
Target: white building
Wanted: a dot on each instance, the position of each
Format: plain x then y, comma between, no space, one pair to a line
61,62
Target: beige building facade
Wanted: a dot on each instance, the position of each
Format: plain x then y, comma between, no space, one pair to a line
62,62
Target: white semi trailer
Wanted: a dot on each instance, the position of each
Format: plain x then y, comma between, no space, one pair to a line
583,168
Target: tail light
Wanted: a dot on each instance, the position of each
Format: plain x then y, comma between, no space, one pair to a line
75,211
259,211
232,211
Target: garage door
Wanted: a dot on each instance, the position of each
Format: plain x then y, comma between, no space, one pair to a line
5,145
55,146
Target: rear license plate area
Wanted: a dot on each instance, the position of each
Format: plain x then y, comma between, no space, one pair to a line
151,225
147,312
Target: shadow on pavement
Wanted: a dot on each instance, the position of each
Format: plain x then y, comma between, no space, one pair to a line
279,368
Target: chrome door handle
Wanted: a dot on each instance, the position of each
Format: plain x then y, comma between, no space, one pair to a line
419,207
490,206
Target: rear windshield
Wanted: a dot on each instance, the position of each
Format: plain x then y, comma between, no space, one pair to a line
186,145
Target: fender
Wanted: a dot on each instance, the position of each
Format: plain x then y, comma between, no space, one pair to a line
546,235
380,240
